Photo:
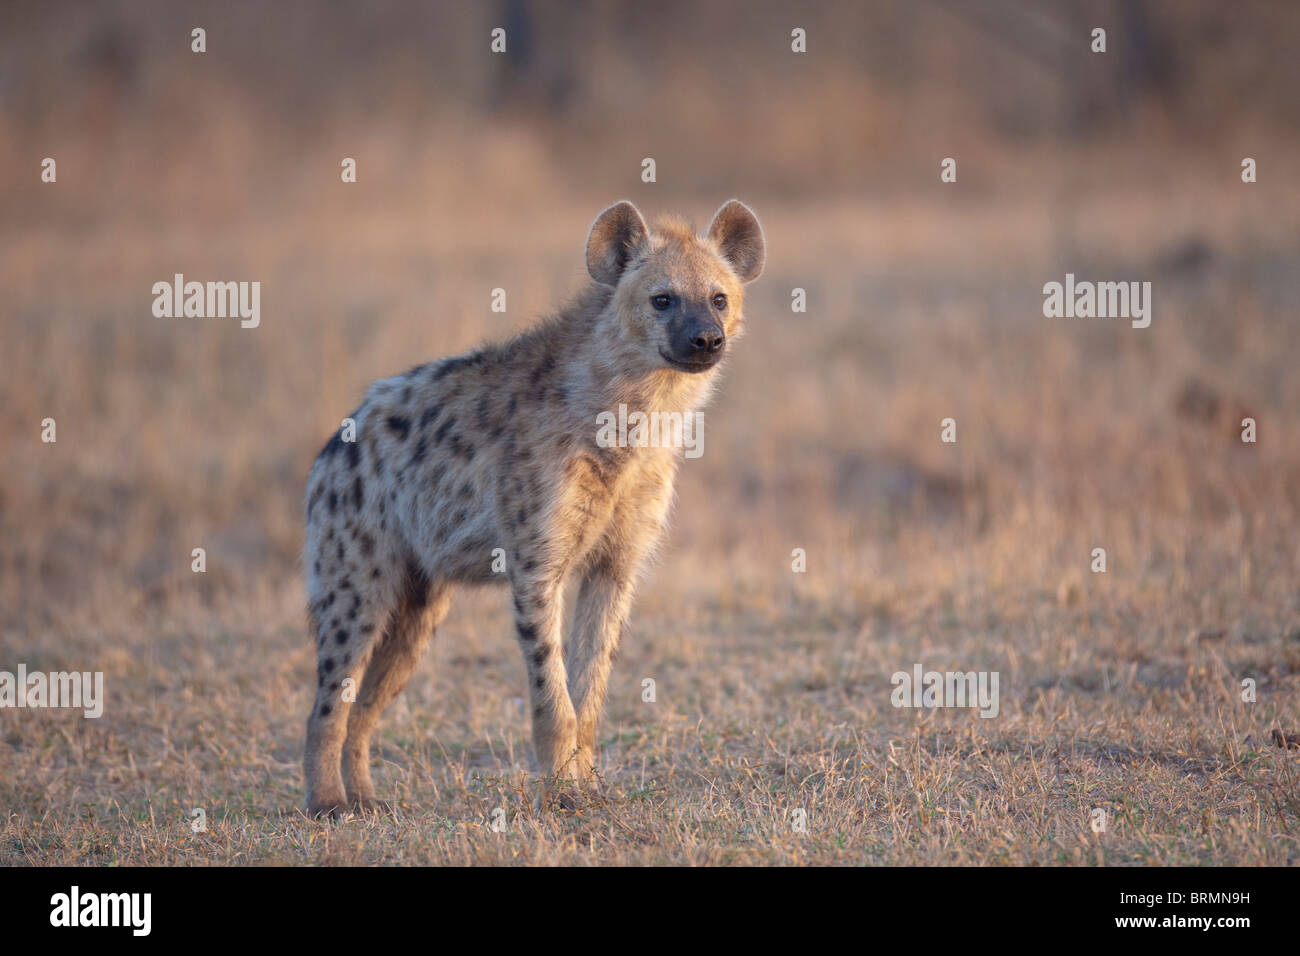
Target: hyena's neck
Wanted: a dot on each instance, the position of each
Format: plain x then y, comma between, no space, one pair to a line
603,382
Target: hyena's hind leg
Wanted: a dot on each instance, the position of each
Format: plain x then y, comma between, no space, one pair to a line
346,620
420,609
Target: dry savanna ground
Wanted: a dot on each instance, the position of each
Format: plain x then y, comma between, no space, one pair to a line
1119,691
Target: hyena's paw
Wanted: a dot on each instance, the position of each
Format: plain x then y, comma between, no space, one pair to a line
568,791
559,796
569,800
332,811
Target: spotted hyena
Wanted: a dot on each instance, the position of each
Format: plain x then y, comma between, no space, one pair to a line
487,467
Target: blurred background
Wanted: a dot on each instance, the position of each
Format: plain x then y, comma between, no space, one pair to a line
478,171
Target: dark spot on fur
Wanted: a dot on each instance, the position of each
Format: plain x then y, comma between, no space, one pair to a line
354,454
421,449
612,459
357,493
428,416
324,710
331,446
541,655
401,427
541,371
406,395
417,587
367,543
447,366
527,633
544,368
443,429
334,504
327,664
341,636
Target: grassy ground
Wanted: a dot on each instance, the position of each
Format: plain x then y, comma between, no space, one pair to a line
1118,691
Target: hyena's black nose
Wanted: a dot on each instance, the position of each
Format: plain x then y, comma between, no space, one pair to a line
708,339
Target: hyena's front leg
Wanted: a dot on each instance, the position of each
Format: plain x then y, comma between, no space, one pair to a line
604,599
537,600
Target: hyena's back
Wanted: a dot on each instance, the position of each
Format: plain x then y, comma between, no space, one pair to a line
442,470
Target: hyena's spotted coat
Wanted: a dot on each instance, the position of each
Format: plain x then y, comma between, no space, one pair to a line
497,448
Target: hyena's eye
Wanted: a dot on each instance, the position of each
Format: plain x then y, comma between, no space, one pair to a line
719,301
661,301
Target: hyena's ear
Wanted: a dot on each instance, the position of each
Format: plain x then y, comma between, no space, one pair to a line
738,234
613,238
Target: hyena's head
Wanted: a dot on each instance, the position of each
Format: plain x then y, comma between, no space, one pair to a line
678,297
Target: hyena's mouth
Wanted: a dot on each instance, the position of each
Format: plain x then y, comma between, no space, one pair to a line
700,365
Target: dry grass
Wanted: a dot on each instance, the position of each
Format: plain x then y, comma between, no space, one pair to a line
1118,691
